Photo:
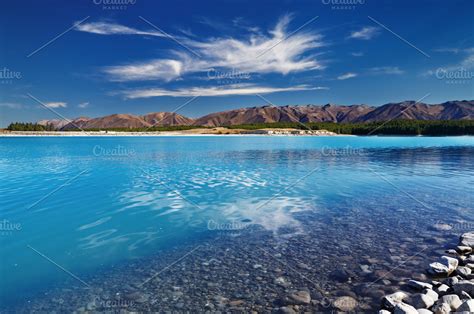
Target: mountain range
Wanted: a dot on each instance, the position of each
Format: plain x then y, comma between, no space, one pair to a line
411,110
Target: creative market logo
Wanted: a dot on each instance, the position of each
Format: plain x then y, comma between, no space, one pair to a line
454,76
343,4
114,4
8,227
7,76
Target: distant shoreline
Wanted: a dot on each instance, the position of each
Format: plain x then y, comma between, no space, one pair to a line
383,128
143,134
182,134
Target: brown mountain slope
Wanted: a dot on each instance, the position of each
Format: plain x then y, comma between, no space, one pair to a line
411,110
267,114
264,114
452,110
113,121
56,123
457,110
167,119
332,113
75,124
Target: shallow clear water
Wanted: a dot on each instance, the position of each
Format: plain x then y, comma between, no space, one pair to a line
73,209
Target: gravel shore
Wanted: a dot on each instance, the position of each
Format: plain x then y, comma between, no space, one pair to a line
450,290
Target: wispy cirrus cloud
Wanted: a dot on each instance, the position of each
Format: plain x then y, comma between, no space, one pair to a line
466,63
277,51
365,33
383,70
448,50
56,104
454,50
106,28
228,90
11,105
83,105
159,69
243,24
386,70
357,54
346,76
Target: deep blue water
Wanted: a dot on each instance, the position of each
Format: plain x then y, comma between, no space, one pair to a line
88,203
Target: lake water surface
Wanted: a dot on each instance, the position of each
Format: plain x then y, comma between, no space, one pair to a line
193,223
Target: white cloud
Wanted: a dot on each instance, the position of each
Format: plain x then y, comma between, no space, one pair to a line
386,70
468,61
236,89
365,33
11,105
105,28
346,76
240,22
277,53
448,50
217,25
357,54
465,64
83,104
57,104
274,52
164,69
187,32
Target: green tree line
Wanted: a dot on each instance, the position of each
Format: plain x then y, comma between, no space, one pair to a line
20,126
395,127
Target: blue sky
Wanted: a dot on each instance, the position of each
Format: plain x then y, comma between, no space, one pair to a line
90,58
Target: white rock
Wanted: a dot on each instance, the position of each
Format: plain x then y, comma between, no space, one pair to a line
442,289
452,252
345,304
452,281
403,308
441,308
384,312
300,297
464,249
467,239
419,285
438,269
391,300
422,301
467,306
442,227
464,285
424,311
365,269
452,300
445,266
286,310
433,295
463,271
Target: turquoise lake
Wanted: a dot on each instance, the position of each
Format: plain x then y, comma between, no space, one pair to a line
82,213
